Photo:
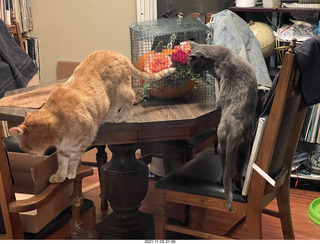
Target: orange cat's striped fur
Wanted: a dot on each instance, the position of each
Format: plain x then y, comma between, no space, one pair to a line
98,91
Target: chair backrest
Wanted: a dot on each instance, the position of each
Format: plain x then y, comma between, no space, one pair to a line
282,130
12,223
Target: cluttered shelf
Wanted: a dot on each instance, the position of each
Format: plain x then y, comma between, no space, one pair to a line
259,8
306,164
300,21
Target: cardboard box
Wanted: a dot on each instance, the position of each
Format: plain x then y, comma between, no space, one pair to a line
65,69
31,173
34,221
31,176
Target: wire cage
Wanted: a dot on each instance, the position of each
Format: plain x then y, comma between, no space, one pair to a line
161,43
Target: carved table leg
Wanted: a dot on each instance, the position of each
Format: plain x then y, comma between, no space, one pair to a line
101,158
125,184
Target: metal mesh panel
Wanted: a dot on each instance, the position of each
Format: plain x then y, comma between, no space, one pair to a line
154,42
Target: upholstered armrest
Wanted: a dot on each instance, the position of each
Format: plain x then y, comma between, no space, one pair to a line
47,194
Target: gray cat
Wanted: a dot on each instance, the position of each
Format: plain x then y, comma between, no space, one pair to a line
238,100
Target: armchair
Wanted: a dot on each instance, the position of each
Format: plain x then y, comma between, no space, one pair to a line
77,221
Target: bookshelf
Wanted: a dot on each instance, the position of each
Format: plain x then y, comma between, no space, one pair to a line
310,142
21,10
12,11
310,135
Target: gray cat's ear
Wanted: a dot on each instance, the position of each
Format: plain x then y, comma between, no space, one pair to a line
192,44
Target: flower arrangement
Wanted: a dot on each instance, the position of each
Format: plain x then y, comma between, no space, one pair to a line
180,82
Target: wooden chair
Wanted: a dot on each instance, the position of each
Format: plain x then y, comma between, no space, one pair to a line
15,31
195,183
77,221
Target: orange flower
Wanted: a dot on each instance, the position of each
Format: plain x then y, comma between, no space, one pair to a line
157,62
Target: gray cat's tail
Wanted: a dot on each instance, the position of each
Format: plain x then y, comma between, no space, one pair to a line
138,74
229,170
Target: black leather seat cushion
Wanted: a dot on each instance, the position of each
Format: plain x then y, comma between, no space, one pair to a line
12,145
198,176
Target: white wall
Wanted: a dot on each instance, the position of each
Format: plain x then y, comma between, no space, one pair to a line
69,30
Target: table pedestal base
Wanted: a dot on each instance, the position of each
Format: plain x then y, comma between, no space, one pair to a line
141,226
125,181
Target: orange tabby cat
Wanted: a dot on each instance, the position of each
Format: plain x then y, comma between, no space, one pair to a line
99,90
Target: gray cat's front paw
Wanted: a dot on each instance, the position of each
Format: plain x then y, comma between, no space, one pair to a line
55,178
220,179
119,119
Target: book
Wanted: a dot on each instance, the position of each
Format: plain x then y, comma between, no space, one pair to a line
22,12
311,128
32,48
315,124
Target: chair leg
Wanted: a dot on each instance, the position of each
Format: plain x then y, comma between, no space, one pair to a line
201,217
197,217
89,223
78,229
160,218
173,157
101,158
76,202
254,224
283,200
160,222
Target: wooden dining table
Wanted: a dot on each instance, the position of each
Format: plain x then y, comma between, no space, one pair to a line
124,179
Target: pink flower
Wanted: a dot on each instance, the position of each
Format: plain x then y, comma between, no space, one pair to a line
180,57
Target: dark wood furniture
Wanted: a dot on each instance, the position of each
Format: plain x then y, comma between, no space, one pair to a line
260,8
277,12
195,183
125,178
80,225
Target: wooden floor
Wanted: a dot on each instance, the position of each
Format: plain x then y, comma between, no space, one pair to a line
304,228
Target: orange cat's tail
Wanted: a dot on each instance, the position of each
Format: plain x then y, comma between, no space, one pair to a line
138,74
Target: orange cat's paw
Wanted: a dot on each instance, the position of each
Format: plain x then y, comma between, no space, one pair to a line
71,176
55,178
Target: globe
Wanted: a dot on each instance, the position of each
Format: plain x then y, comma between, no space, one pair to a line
264,35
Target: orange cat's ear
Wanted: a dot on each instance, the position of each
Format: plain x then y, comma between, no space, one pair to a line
15,131
27,114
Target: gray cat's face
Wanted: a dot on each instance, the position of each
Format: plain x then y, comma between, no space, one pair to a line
197,59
